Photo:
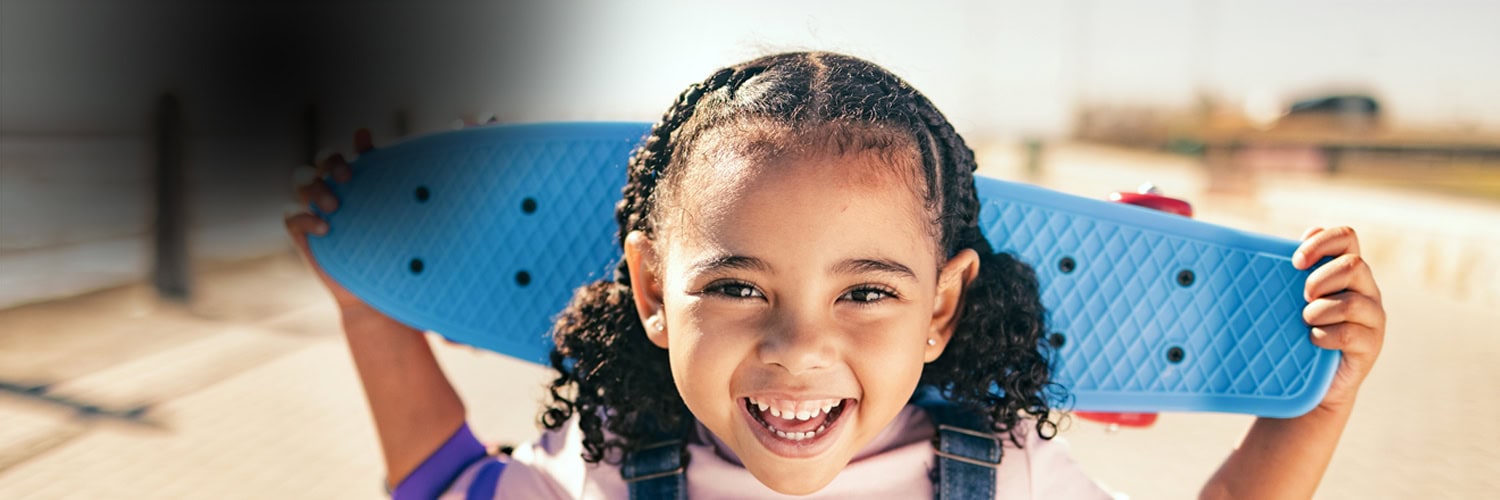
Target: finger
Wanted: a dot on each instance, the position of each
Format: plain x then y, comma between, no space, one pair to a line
1345,272
337,167
318,192
301,224
1352,338
303,174
1346,307
363,141
1309,232
1326,243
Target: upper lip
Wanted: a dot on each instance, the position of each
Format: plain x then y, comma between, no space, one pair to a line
793,396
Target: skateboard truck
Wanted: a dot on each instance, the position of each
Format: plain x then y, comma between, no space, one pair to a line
1150,197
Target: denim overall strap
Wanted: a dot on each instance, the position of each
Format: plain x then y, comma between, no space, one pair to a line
967,452
656,472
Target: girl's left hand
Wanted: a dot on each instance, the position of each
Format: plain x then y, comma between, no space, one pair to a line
1344,308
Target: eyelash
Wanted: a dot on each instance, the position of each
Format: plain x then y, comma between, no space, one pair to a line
722,289
885,292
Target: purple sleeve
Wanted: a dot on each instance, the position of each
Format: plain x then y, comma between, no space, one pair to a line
442,467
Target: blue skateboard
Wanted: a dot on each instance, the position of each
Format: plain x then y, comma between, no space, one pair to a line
482,235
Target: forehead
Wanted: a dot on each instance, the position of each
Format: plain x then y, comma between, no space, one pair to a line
803,206
718,164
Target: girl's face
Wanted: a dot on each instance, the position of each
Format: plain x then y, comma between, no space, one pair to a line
797,298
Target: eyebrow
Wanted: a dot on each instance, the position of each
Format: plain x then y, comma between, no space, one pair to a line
882,266
720,263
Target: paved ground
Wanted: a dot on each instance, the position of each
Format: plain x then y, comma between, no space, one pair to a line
249,393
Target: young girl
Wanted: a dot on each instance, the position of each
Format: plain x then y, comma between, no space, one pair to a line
803,273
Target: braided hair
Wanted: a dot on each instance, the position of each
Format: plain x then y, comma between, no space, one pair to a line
615,380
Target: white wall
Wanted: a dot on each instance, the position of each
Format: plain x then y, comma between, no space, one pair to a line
78,77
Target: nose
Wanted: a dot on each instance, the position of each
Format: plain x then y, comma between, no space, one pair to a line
798,344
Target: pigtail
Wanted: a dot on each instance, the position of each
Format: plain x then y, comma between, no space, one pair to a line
633,400
997,362
609,374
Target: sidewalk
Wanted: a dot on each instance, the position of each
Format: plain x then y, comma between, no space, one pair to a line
250,392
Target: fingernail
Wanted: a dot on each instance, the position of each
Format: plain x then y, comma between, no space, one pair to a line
1297,258
328,203
321,229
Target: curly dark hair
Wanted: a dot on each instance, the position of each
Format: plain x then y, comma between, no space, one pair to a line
613,378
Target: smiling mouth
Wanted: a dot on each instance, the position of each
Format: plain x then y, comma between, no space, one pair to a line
796,427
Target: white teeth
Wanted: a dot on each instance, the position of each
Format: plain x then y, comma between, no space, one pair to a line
797,436
790,410
794,410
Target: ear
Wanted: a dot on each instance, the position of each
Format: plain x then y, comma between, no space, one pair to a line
645,285
953,279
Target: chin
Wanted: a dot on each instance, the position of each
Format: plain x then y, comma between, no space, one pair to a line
796,479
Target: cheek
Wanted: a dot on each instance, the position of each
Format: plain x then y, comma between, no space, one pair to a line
888,361
899,335
704,356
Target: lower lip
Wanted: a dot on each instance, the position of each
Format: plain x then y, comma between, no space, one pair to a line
797,449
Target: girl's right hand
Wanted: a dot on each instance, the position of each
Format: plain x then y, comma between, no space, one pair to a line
304,223
414,407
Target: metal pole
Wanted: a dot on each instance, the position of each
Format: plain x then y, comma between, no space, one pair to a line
171,270
310,135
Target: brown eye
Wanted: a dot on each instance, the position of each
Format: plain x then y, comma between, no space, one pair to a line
867,295
736,290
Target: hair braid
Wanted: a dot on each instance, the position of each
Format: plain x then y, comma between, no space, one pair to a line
1020,365
649,162
603,313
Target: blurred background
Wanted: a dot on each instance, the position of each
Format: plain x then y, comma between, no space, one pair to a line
159,337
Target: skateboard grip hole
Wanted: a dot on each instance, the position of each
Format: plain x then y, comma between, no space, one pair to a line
523,278
1057,340
528,205
1067,265
423,194
416,266
1185,277
1175,354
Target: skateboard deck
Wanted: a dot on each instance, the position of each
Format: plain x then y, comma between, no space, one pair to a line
482,234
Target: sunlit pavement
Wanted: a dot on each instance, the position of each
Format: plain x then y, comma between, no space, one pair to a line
249,392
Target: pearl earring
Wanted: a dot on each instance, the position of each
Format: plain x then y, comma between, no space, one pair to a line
931,341
654,323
